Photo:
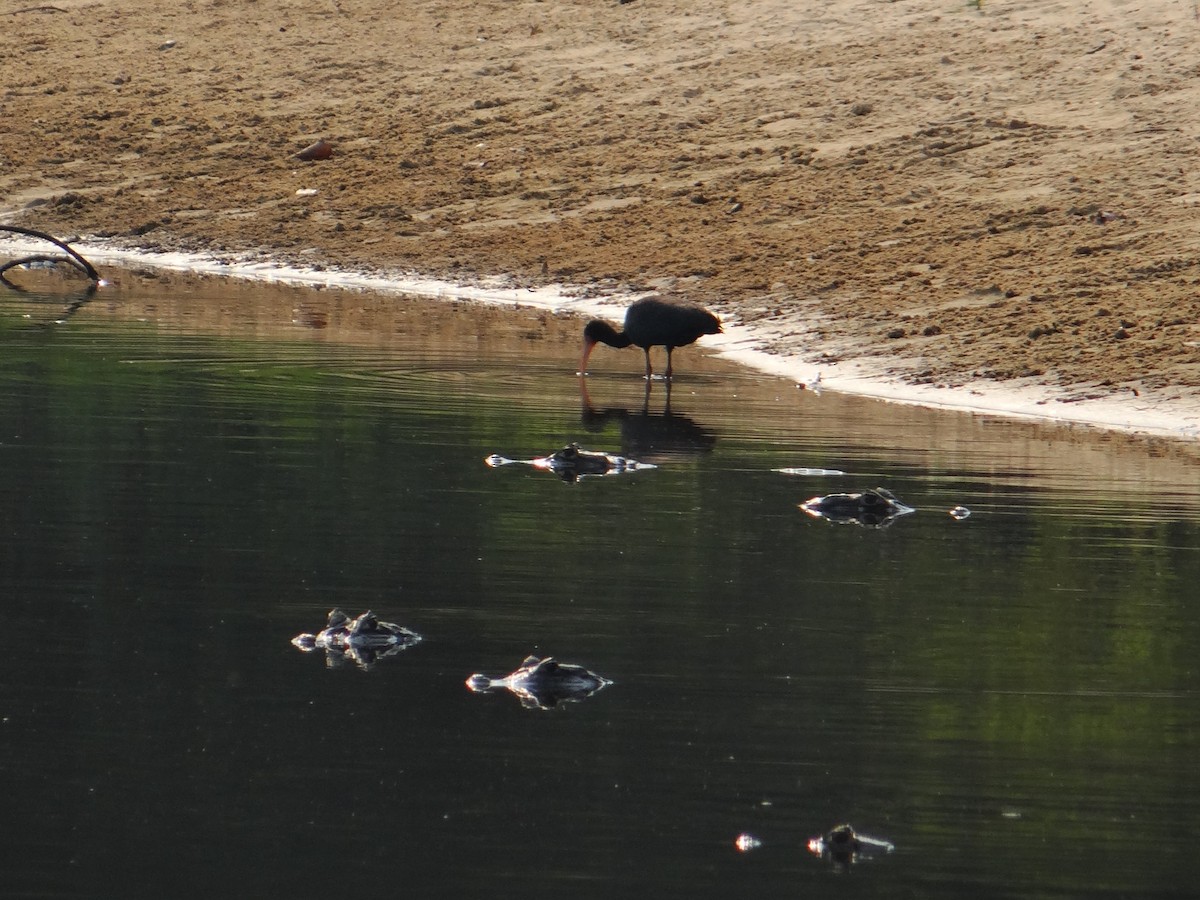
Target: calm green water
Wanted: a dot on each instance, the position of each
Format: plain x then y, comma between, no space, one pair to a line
192,472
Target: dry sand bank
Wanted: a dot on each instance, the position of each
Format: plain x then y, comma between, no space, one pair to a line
995,206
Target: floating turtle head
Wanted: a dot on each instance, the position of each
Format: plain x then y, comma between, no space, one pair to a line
305,642
479,683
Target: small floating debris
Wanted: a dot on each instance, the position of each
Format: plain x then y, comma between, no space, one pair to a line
746,842
805,471
959,513
543,683
869,509
306,192
363,640
843,845
573,462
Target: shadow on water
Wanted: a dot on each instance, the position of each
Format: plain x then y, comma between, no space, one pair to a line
196,471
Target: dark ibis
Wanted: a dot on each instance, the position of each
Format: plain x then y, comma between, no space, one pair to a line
652,322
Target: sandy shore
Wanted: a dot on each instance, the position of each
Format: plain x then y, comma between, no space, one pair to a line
991,206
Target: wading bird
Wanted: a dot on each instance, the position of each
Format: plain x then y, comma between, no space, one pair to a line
652,322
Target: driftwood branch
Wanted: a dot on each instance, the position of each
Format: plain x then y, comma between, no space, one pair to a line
72,256
29,260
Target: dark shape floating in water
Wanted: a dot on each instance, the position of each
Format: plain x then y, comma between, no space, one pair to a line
652,322
843,846
72,257
870,509
364,640
543,683
572,462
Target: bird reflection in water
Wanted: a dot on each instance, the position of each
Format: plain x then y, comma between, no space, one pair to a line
653,437
647,439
